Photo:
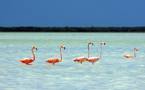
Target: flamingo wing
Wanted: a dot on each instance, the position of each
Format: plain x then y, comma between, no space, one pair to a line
93,59
53,60
128,56
26,61
80,59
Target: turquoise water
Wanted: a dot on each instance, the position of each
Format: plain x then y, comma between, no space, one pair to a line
113,72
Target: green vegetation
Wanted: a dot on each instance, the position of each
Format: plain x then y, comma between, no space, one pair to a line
72,29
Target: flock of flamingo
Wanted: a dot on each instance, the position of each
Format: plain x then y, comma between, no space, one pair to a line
81,59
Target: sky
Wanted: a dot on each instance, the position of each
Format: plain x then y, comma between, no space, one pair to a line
72,12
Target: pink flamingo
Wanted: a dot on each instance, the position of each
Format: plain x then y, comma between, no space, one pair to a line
82,58
130,56
28,61
56,60
95,59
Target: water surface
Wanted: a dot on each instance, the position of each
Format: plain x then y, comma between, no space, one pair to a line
113,72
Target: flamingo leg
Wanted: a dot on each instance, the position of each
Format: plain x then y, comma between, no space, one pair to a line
28,64
93,63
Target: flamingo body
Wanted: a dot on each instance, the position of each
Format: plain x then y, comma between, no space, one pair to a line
93,59
53,60
27,61
128,56
80,59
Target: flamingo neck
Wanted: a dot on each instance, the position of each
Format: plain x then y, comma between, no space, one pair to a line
100,51
60,53
88,50
134,53
33,55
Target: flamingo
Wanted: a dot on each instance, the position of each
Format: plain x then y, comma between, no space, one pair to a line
82,58
28,61
95,59
130,56
56,60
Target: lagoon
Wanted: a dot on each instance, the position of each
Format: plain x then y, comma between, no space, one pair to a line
112,72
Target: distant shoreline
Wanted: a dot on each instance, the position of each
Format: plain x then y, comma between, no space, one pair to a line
72,29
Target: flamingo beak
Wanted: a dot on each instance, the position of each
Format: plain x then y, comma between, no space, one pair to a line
103,43
64,48
136,49
36,49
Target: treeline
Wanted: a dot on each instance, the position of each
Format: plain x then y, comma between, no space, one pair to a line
72,29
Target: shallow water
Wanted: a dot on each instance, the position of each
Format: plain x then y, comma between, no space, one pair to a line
113,72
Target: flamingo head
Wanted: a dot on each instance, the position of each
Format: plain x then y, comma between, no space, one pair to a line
91,43
136,49
62,46
34,48
103,43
